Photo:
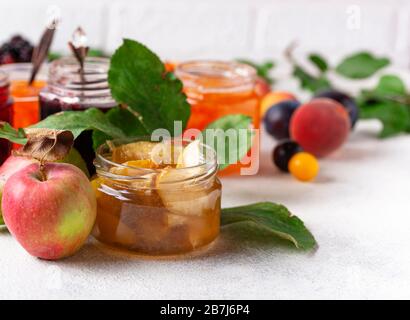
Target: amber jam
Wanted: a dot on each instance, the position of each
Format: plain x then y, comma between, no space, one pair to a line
215,89
6,113
69,89
25,96
156,205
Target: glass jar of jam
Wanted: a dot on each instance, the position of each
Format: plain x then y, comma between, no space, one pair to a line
25,96
217,88
152,205
6,113
69,89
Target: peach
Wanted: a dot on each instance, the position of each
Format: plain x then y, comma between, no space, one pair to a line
320,126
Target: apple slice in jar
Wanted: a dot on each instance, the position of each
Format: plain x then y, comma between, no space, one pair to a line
141,188
180,192
166,153
140,150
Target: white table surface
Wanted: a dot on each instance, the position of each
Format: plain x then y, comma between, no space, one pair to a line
358,210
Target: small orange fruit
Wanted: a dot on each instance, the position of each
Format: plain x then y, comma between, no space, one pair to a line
304,166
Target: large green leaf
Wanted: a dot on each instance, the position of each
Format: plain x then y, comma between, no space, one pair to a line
79,121
137,78
387,102
273,217
394,116
361,65
231,137
124,118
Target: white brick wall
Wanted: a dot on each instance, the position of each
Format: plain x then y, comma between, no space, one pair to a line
185,29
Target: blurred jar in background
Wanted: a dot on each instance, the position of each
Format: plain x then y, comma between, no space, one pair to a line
68,89
6,113
215,89
26,109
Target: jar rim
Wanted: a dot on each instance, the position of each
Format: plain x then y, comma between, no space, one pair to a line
204,170
71,60
216,75
22,71
4,79
64,73
89,89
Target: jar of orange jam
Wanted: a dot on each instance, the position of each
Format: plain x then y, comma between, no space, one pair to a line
217,88
26,102
153,203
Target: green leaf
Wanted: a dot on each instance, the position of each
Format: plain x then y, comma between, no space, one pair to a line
54,56
96,53
390,85
387,102
75,158
124,118
319,62
11,134
231,137
394,116
79,121
361,65
137,78
309,82
273,217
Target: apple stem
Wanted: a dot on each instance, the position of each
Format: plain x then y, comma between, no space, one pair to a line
42,171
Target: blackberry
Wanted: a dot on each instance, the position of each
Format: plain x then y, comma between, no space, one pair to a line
25,53
17,49
6,54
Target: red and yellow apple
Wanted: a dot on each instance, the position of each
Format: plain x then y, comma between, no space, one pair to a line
15,163
50,212
10,167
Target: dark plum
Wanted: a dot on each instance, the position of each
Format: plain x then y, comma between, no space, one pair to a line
344,99
283,152
277,118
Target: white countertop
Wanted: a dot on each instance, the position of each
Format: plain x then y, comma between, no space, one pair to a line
358,210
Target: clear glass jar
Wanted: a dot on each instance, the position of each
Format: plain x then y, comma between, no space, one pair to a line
26,108
6,113
155,211
219,88
68,89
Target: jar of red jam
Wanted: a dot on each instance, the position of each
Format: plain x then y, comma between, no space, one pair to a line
6,113
69,89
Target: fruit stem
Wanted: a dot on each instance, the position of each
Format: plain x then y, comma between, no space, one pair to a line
42,171
43,175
